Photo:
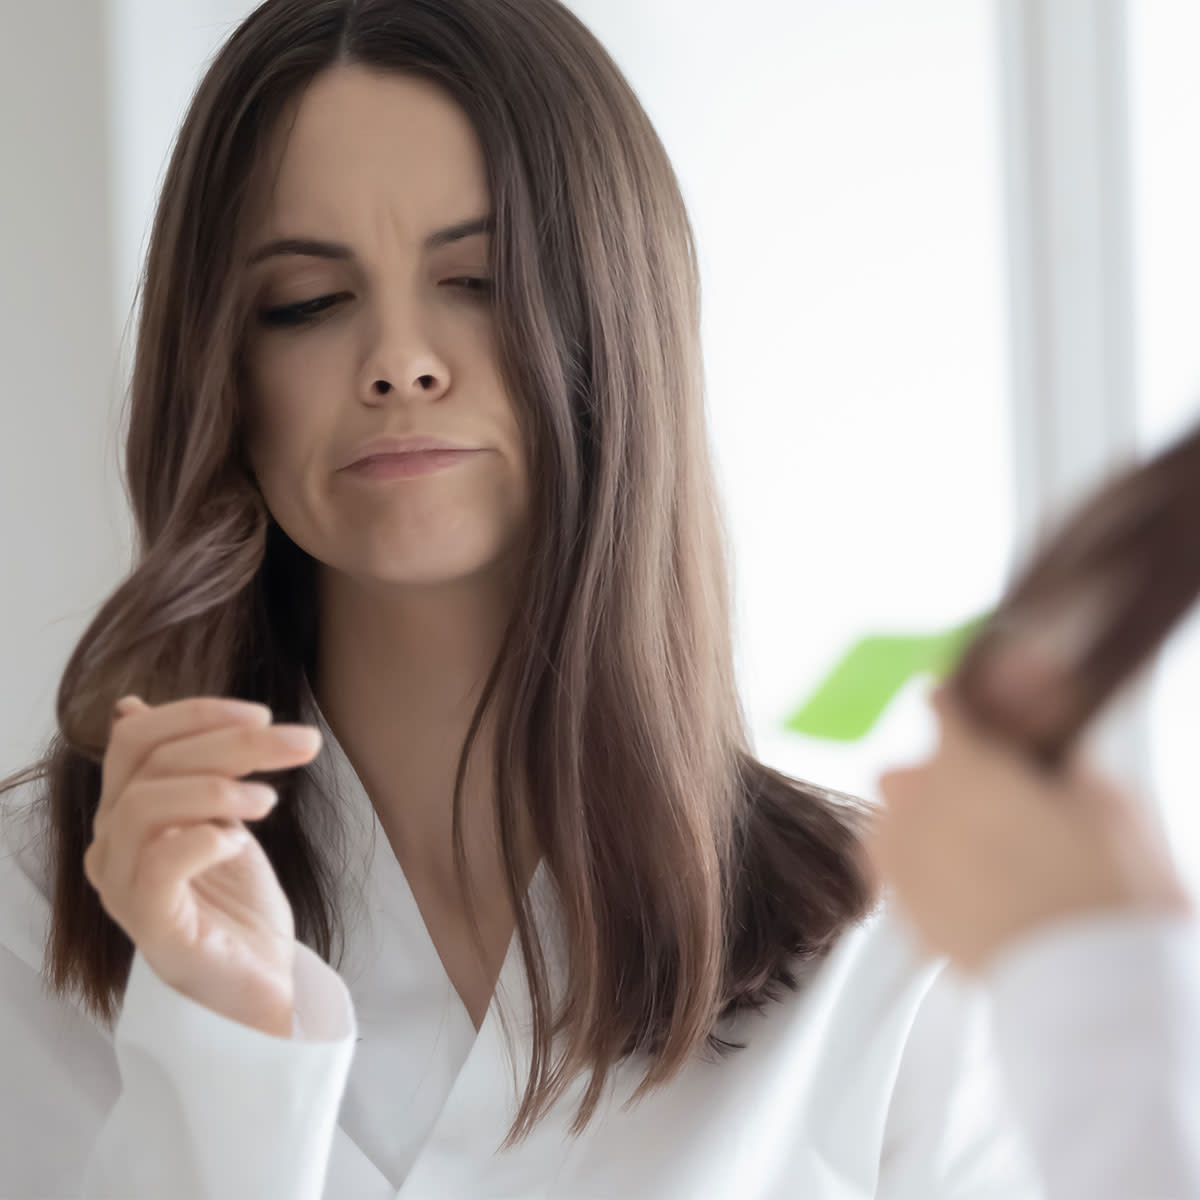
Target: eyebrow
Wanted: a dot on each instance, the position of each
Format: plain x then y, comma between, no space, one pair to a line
317,248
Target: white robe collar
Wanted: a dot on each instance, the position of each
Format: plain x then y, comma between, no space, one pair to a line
428,1097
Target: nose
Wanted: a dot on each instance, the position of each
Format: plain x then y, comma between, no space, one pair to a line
402,362
385,387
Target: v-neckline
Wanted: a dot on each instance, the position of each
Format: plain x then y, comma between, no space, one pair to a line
383,865
396,868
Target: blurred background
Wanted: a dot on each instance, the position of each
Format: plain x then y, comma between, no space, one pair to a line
951,279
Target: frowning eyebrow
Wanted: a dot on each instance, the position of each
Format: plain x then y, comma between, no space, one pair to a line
316,248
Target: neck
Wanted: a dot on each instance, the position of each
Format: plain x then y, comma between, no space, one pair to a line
399,673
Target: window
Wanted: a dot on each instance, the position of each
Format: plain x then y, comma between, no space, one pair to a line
1164,43
841,164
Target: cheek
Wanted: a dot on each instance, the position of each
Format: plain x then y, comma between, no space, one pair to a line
288,398
503,415
518,483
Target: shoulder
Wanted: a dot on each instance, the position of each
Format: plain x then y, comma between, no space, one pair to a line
880,1017
866,1074
880,998
865,992
947,1121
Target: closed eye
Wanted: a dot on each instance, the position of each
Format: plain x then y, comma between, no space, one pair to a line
482,286
299,314
308,310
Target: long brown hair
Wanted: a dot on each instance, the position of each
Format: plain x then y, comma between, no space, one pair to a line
1098,596
694,880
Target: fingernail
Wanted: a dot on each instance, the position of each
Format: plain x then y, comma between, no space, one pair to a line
264,793
299,737
125,705
260,713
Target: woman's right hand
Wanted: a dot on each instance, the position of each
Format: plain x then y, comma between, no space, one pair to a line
174,865
982,847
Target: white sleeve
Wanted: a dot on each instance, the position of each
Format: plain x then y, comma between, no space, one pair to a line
949,1133
1097,1023
211,1109
175,1101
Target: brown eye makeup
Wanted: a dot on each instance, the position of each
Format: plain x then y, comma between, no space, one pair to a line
304,312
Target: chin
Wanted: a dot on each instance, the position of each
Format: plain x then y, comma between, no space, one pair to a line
432,564
427,574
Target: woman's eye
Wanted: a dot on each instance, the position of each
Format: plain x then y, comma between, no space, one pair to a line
298,314
482,286
309,310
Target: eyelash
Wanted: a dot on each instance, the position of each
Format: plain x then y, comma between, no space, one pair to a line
309,310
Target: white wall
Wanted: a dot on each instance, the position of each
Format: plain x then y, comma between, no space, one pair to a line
1166,115
158,50
62,523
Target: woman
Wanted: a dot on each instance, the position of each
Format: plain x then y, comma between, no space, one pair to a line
1057,892
417,457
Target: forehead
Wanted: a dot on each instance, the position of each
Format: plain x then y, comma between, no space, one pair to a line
365,145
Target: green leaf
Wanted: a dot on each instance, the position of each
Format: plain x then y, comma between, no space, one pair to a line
846,706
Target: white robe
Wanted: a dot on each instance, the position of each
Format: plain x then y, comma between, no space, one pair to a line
877,1079
1096,1022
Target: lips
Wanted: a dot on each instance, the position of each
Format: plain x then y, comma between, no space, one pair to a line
408,445
381,467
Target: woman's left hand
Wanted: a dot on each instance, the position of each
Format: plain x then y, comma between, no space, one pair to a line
980,846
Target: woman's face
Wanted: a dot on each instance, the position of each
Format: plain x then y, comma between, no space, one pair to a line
379,330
